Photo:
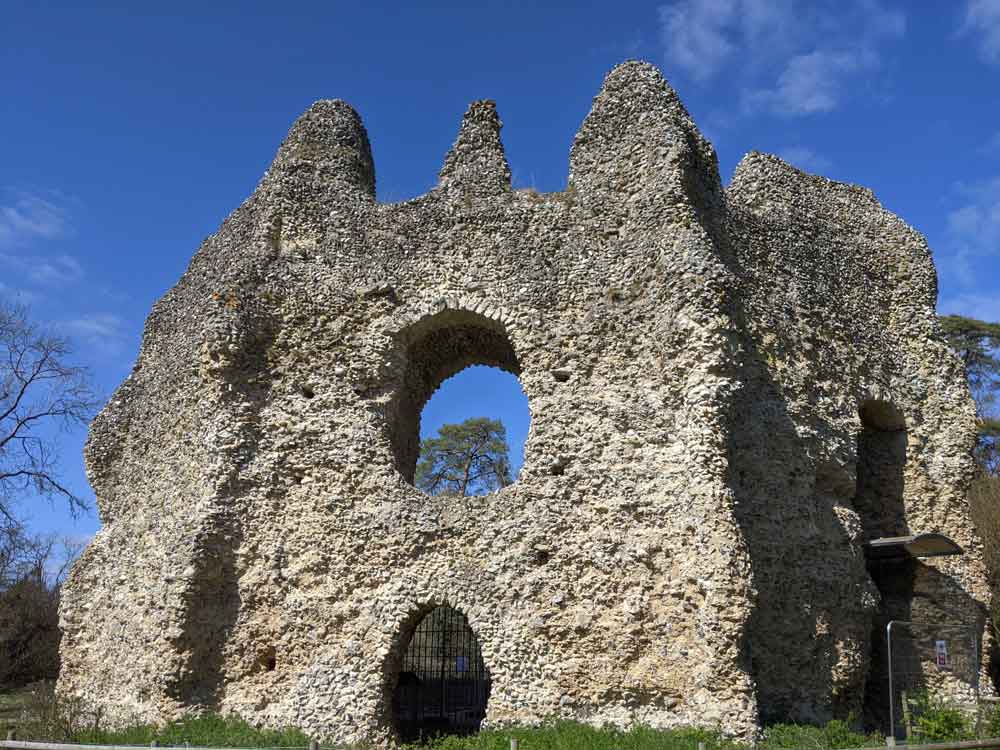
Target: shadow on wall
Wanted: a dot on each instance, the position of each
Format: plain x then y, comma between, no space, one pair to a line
211,601
881,464
881,453
932,602
810,619
816,641
211,605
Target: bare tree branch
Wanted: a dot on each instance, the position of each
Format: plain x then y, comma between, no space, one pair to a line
40,393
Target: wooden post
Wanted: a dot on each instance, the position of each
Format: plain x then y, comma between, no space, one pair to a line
313,745
906,713
513,744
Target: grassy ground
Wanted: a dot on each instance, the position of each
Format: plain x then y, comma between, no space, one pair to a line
573,736
217,731
38,715
209,730
12,704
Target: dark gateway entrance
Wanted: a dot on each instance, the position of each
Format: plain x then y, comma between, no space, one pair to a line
443,684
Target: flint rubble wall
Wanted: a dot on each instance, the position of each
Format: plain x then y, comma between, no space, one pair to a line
681,546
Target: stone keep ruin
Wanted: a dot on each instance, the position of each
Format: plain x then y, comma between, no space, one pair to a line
734,392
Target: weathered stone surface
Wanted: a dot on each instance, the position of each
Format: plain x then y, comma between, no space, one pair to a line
731,390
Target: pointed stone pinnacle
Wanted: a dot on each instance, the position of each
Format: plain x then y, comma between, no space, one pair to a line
329,145
476,163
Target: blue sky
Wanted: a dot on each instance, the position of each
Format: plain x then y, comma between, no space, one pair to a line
127,136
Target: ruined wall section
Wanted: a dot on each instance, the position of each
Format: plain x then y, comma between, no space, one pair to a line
138,577
838,304
156,585
550,571
608,584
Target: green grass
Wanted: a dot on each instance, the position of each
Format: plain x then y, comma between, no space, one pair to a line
212,730
12,705
568,735
208,730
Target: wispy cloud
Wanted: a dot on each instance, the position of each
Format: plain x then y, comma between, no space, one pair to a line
805,158
98,325
977,223
102,330
16,294
979,306
812,83
698,36
974,232
791,60
47,271
982,22
27,216
27,220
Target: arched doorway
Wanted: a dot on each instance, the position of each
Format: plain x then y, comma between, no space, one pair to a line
443,685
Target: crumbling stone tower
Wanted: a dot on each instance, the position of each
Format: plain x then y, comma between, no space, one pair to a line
733,392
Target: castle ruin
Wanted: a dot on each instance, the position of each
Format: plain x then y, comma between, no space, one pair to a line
743,417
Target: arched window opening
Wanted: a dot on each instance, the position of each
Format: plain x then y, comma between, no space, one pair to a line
443,685
437,349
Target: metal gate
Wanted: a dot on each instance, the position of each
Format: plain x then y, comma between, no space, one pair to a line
443,684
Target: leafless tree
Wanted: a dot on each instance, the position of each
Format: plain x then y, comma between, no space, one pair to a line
40,393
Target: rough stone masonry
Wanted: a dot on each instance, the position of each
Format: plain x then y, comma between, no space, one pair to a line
732,390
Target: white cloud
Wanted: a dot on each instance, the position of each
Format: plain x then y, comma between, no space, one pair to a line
48,271
974,233
978,306
104,331
99,325
982,21
26,216
814,82
26,219
977,223
805,159
791,59
702,36
696,35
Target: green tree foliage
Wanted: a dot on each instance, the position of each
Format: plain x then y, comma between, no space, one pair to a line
470,458
978,344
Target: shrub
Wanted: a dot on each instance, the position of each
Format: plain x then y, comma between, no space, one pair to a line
835,735
936,720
